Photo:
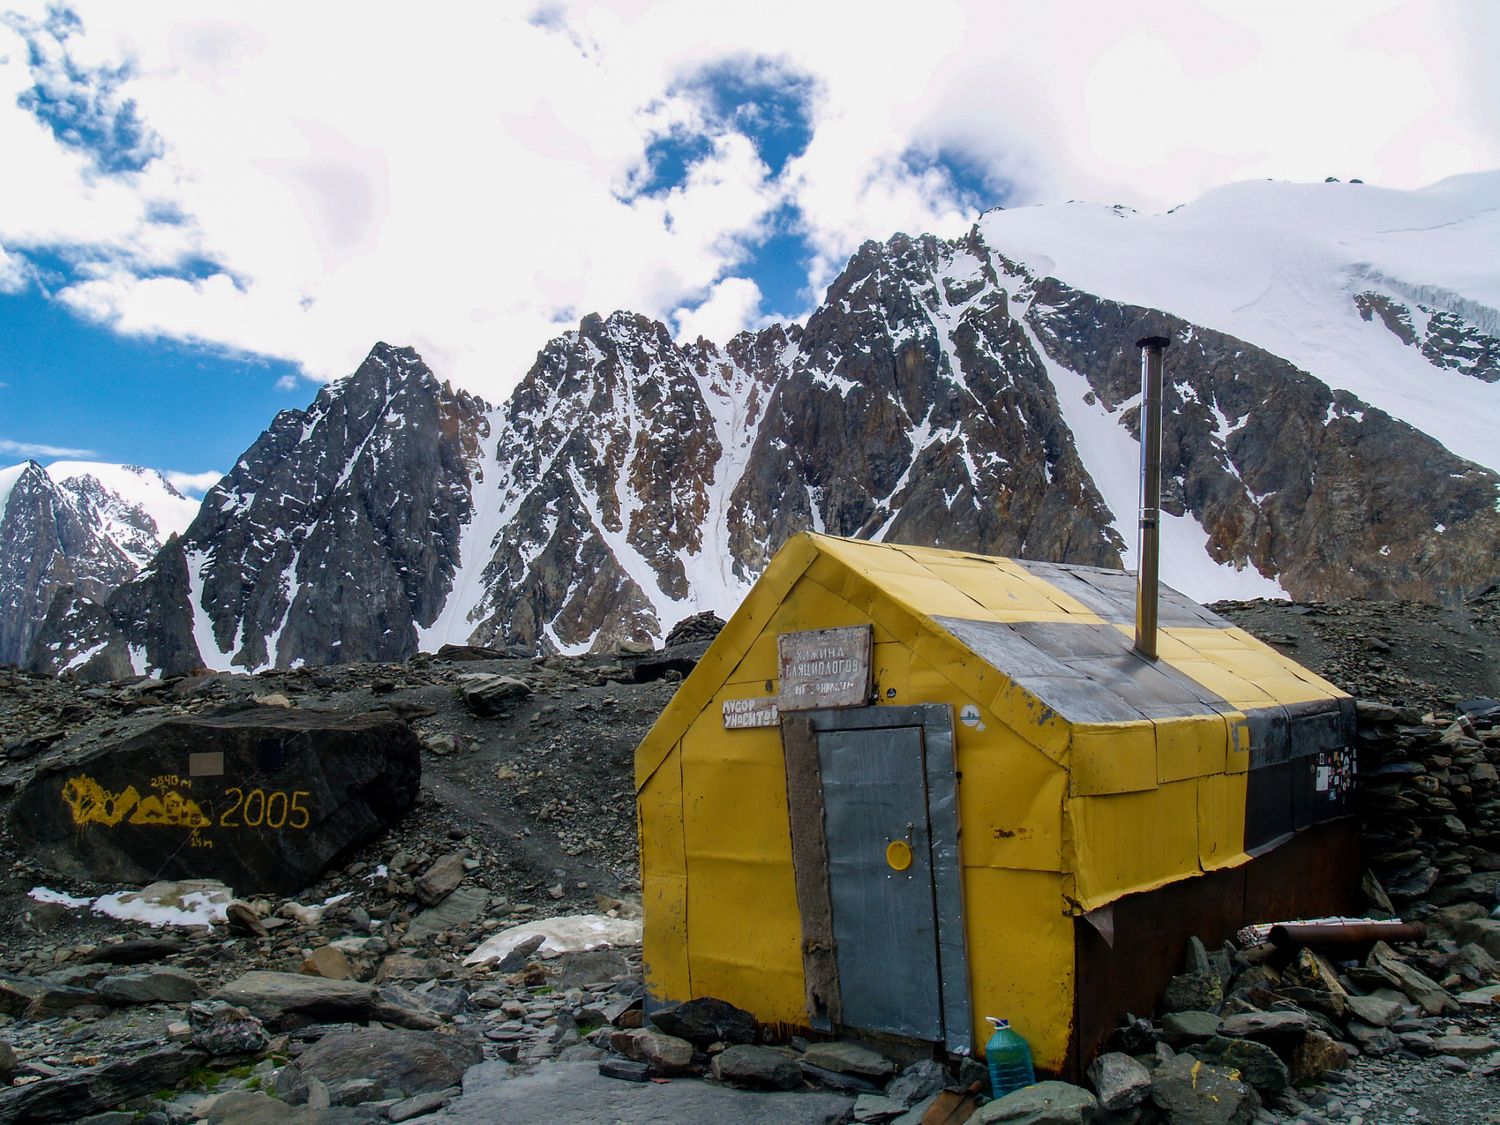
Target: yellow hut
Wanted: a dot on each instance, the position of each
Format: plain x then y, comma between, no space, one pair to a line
909,788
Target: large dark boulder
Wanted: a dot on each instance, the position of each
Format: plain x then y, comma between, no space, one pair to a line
706,1020
263,799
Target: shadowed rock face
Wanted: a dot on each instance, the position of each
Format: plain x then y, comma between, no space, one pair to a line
1334,497
338,528
333,538
916,411
630,481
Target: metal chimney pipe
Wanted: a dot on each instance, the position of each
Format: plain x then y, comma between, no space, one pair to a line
1149,543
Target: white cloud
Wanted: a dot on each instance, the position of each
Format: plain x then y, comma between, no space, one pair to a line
463,182
192,484
33,449
732,307
13,274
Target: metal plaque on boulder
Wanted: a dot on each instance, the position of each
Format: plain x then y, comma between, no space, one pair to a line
825,668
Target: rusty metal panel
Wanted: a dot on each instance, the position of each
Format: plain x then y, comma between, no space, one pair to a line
1314,873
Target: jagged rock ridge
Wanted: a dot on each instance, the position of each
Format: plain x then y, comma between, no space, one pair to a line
944,393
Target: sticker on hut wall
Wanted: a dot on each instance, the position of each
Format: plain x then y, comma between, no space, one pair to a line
825,668
759,712
1335,774
969,716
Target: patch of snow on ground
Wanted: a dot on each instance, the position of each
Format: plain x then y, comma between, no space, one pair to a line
569,933
46,894
190,902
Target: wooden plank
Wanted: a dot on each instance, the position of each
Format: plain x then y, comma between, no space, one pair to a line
804,790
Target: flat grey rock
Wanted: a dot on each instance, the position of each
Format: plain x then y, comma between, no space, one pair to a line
1266,1026
396,1064
1189,1026
1119,1080
38,998
153,986
578,1094
459,908
1045,1103
270,995
849,1058
1374,1010
251,1107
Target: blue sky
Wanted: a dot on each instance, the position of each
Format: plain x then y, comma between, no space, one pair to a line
224,207
75,390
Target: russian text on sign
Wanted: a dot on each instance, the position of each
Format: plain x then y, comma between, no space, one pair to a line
825,668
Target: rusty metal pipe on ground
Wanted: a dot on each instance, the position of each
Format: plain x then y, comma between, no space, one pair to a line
1292,934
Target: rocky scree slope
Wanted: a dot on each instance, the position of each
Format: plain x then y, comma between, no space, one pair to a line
944,393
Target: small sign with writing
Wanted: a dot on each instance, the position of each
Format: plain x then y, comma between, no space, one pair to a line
758,712
825,668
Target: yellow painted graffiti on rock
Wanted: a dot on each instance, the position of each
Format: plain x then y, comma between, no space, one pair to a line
170,808
91,803
263,809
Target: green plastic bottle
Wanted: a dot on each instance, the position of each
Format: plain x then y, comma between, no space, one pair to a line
1009,1059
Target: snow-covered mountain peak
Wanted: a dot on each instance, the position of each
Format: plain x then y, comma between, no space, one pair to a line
12,475
137,507
1390,295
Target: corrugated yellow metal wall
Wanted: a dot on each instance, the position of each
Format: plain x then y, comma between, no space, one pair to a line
1154,802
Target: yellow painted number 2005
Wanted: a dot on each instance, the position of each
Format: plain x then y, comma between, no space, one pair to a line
261,809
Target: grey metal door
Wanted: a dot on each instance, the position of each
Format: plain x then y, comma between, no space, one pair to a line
880,879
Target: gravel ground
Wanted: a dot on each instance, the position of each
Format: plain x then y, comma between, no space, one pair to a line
1407,1090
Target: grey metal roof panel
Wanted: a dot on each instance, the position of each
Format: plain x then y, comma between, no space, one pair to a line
1090,673
1080,699
1111,594
1004,647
